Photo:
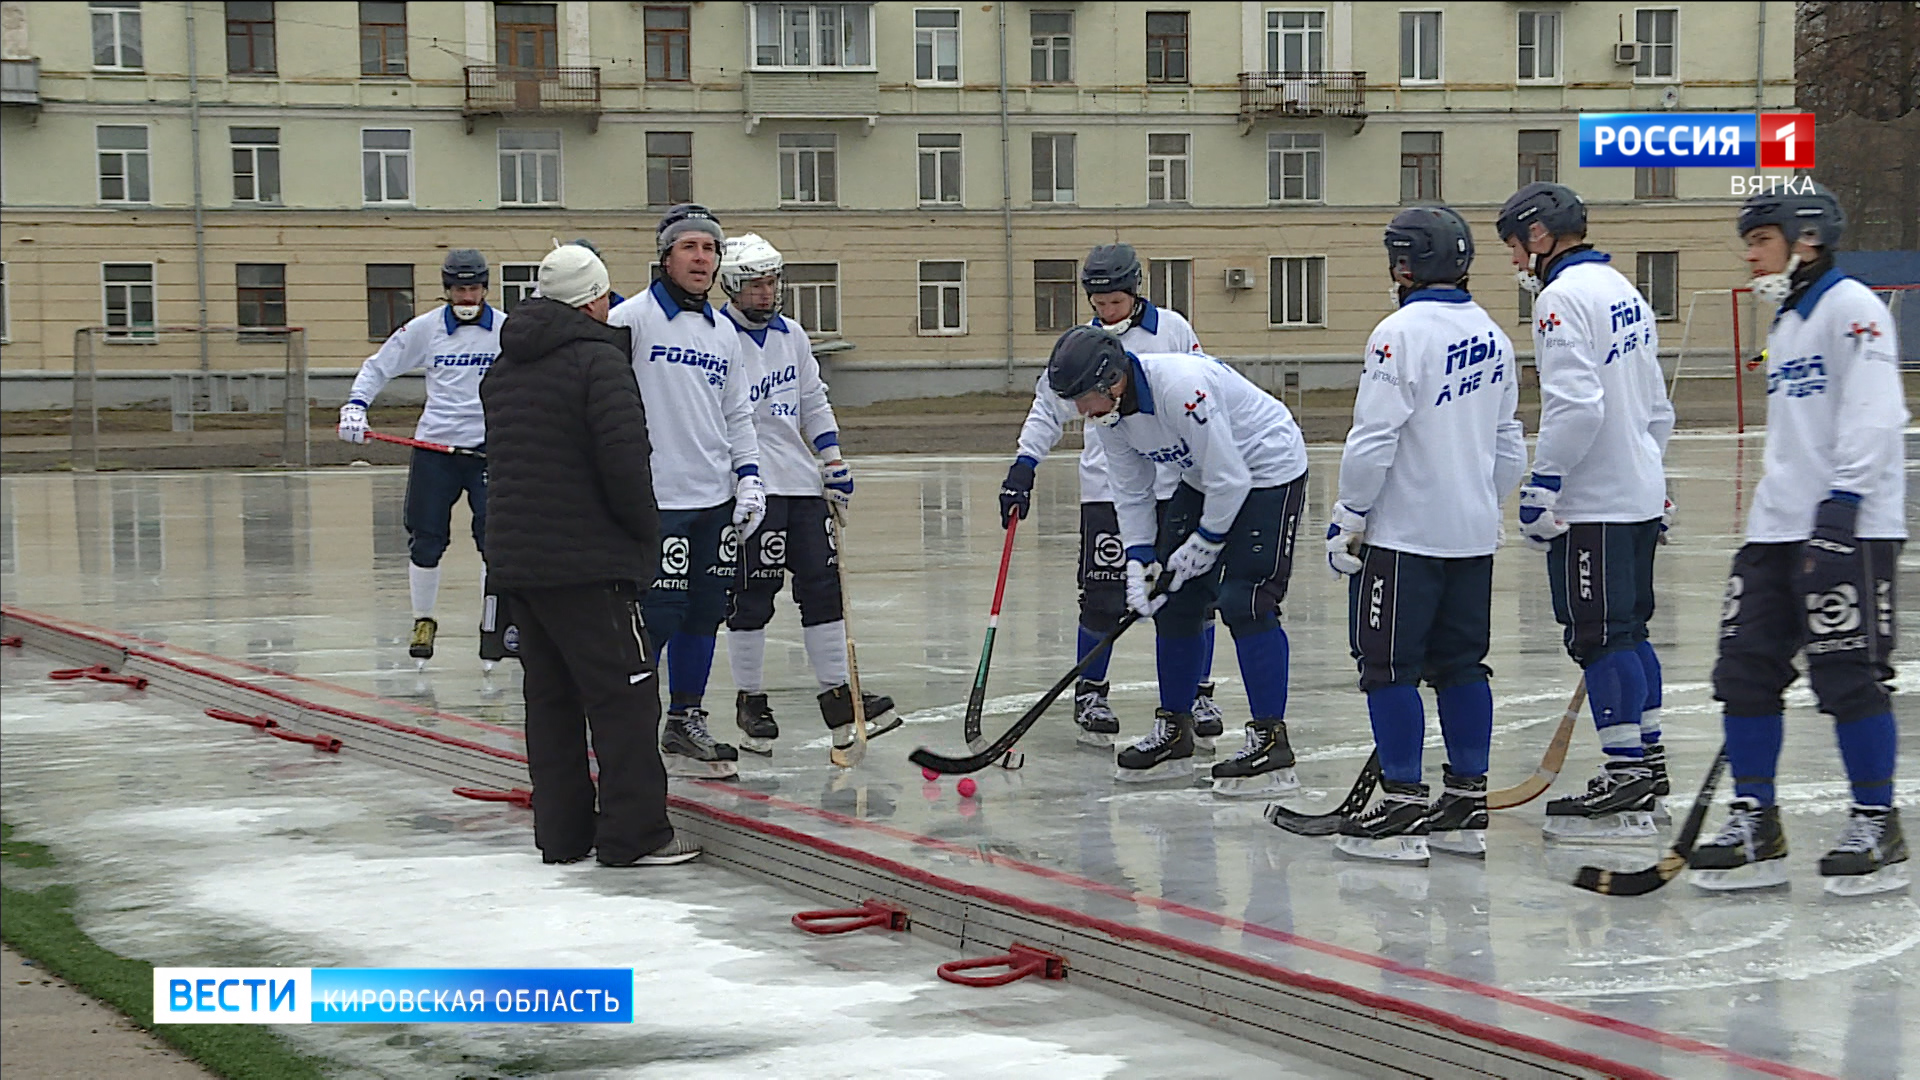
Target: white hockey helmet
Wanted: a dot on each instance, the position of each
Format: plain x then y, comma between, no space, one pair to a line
746,258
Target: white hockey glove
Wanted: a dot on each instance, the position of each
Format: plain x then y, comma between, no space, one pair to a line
1142,571
749,504
1345,533
1193,559
836,480
1538,525
353,423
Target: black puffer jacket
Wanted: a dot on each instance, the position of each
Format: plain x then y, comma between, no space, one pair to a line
569,487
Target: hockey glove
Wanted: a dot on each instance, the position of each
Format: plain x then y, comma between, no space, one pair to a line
1666,520
353,422
1345,533
1194,558
1831,576
1831,549
749,504
1538,525
1142,571
1016,492
836,480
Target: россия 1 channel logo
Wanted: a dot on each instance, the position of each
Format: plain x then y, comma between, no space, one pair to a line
1696,140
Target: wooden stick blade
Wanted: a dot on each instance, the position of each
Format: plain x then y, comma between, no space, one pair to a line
1523,792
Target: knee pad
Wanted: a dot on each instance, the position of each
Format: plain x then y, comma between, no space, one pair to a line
1847,690
1184,615
706,607
1102,605
1243,611
749,608
1748,685
818,595
424,550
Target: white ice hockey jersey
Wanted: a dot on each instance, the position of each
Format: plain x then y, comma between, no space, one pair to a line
456,356
791,416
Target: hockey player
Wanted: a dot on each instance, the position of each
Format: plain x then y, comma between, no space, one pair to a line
706,472
800,461
1823,546
456,343
1597,495
1433,450
595,248
1226,538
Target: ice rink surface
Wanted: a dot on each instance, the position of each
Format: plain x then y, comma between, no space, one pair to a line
200,842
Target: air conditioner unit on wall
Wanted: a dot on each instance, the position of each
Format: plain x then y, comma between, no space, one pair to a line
1240,279
1626,53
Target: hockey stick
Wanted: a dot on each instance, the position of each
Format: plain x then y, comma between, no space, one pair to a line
1641,882
977,699
857,751
1543,777
422,444
1326,824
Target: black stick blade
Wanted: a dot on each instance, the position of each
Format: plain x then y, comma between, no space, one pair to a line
1630,882
1304,824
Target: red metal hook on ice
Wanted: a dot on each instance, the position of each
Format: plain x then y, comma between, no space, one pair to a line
262,721
99,673
12,641
519,797
319,742
1020,962
846,920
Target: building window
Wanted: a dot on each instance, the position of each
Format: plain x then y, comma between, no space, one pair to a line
1053,168
518,281
1294,163
1297,291
943,298
807,169
812,296
669,32
126,297
526,35
812,35
123,163
116,35
1166,46
1526,305
6,324
1169,165
530,168
389,298
1656,183
1052,33
250,38
1539,46
936,45
1170,284
1658,32
940,169
1419,46
261,294
1539,157
669,167
139,524
386,166
1297,42
1419,166
383,39
1657,273
256,164
1054,282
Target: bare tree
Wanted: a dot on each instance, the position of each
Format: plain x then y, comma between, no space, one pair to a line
1858,69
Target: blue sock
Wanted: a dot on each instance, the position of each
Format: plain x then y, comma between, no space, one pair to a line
1466,722
1206,664
689,662
1650,712
1096,671
1867,746
1753,753
1178,662
1399,726
1617,694
1263,667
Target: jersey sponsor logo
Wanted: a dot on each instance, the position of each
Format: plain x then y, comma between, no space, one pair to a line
1626,313
713,364
1548,323
1376,601
1836,611
463,359
1800,377
1467,358
773,382
1108,551
1178,454
1730,605
1585,570
773,547
729,548
1870,331
1883,607
1383,352
674,552
1193,407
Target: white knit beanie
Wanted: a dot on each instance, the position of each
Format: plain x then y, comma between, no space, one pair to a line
573,275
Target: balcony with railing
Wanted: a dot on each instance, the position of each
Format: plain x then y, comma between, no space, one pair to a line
826,94
1271,94
493,90
20,84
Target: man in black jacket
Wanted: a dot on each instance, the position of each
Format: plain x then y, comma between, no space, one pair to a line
573,538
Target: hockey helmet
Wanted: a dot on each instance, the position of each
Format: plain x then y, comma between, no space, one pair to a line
1085,359
683,219
1432,245
1813,216
464,266
1111,268
1556,207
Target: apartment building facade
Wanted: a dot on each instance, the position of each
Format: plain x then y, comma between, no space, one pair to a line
933,173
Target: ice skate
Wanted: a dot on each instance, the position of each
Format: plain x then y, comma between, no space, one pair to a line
1208,722
689,750
1165,753
1458,821
757,726
420,646
836,708
1656,761
1871,856
1392,830
1262,768
1618,805
1749,853
1091,714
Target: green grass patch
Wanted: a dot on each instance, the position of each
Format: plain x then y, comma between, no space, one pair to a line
39,925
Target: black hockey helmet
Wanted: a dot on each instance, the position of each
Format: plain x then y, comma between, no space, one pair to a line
686,218
590,246
1085,359
1814,216
1111,268
464,266
1431,244
1557,207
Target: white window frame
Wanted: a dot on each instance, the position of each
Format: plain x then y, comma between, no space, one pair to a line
127,158
1648,48
932,36
1071,193
1313,172
384,154
791,160
6,310
1439,49
923,153
556,197
1278,33
1281,270
791,304
132,335
1553,46
1048,44
512,284
784,21
252,150
118,15
943,286
1161,284
1167,168
1645,282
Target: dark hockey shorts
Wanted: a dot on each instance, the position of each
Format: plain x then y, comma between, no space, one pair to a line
1601,575
1415,617
795,538
1103,568
1249,582
699,556
434,483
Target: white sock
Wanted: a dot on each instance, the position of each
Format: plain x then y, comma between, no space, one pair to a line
424,583
747,655
827,651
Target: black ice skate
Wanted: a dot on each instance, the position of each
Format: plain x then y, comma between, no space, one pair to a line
1208,722
1092,715
1393,829
688,749
836,708
420,646
1165,753
1618,805
757,726
1458,821
1749,853
1655,759
1261,768
1871,856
